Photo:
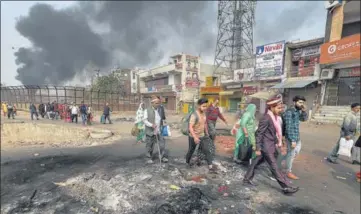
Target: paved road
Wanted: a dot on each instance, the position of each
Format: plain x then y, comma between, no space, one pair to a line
325,188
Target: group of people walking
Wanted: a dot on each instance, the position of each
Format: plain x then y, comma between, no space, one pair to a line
277,129
9,110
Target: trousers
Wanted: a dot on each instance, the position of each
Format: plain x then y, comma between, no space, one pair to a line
270,158
290,156
205,147
151,141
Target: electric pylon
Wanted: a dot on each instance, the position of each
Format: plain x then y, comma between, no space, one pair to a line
234,48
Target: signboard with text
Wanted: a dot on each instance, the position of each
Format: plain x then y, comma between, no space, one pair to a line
212,89
269,60
248,90
244,75
305,52
342,50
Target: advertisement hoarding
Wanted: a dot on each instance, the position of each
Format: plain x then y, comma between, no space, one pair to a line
342,50
244,75
192,72
269,60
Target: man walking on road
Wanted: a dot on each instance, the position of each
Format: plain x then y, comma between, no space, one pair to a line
291,124
74,113
33,111
106,113
83,113
152,121
161,112
213,113
348,131
198,129
10,109
268,136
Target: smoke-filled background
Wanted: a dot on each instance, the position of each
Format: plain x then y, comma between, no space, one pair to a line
72,42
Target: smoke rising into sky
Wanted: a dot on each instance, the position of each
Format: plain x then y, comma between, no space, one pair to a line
89,35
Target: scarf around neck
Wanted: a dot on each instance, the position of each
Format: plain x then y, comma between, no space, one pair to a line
276,122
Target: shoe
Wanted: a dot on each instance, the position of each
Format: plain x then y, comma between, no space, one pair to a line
292,176
249,183
165,160
290,190
355,162
331,161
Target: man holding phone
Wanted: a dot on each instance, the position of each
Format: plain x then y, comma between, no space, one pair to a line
291,126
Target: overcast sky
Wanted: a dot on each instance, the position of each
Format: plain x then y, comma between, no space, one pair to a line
275,21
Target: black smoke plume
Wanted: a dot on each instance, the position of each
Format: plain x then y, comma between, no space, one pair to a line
136,33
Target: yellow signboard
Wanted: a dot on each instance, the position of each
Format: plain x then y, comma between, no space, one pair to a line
209,81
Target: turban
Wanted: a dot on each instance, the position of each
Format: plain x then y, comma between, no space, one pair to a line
274,101
154,98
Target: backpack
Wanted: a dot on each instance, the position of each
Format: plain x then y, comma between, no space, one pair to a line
185,123
83,109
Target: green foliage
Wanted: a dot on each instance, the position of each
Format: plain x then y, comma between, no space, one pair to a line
108,83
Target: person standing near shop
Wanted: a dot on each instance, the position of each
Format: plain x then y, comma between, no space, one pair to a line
291,119
348,130
268,137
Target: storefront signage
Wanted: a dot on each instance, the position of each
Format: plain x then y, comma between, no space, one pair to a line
248,90
350,72
244,75
213,89
305,52
269,60
239,85
341,50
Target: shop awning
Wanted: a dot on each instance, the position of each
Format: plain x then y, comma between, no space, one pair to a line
265,95
294,83
227,93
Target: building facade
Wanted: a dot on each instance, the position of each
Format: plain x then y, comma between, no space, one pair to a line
302,70
340,55
178,83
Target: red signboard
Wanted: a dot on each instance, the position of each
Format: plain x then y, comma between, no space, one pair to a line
248,90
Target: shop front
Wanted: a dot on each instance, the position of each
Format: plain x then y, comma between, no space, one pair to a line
341,71
212,93
232,96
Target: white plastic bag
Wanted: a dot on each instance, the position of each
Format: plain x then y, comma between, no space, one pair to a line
345,147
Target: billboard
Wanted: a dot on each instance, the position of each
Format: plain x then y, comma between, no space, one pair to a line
244,75
269,60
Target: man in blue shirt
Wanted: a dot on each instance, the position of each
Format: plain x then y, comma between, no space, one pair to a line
291,125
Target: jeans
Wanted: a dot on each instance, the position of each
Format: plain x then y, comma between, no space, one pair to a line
290,156
107,116
74,116
84,118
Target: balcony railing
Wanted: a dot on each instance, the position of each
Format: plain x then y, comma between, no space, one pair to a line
161,70
162,88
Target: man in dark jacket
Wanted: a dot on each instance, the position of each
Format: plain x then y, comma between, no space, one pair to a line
33,111
106,113
269,133
42,109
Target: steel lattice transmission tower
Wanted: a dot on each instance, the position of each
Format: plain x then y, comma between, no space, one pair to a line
234,48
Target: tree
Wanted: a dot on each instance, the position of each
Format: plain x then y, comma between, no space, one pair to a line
107,84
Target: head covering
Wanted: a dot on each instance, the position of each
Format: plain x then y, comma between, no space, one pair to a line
251,108
274,101
154,98
140,114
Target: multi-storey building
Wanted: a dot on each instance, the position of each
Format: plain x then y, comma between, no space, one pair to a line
340,55
177,83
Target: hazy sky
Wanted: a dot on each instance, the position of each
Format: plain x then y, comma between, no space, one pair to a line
275,21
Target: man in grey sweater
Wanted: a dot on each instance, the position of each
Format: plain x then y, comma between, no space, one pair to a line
348,131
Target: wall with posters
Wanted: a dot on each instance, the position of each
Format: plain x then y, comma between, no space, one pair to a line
192,68
269,61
